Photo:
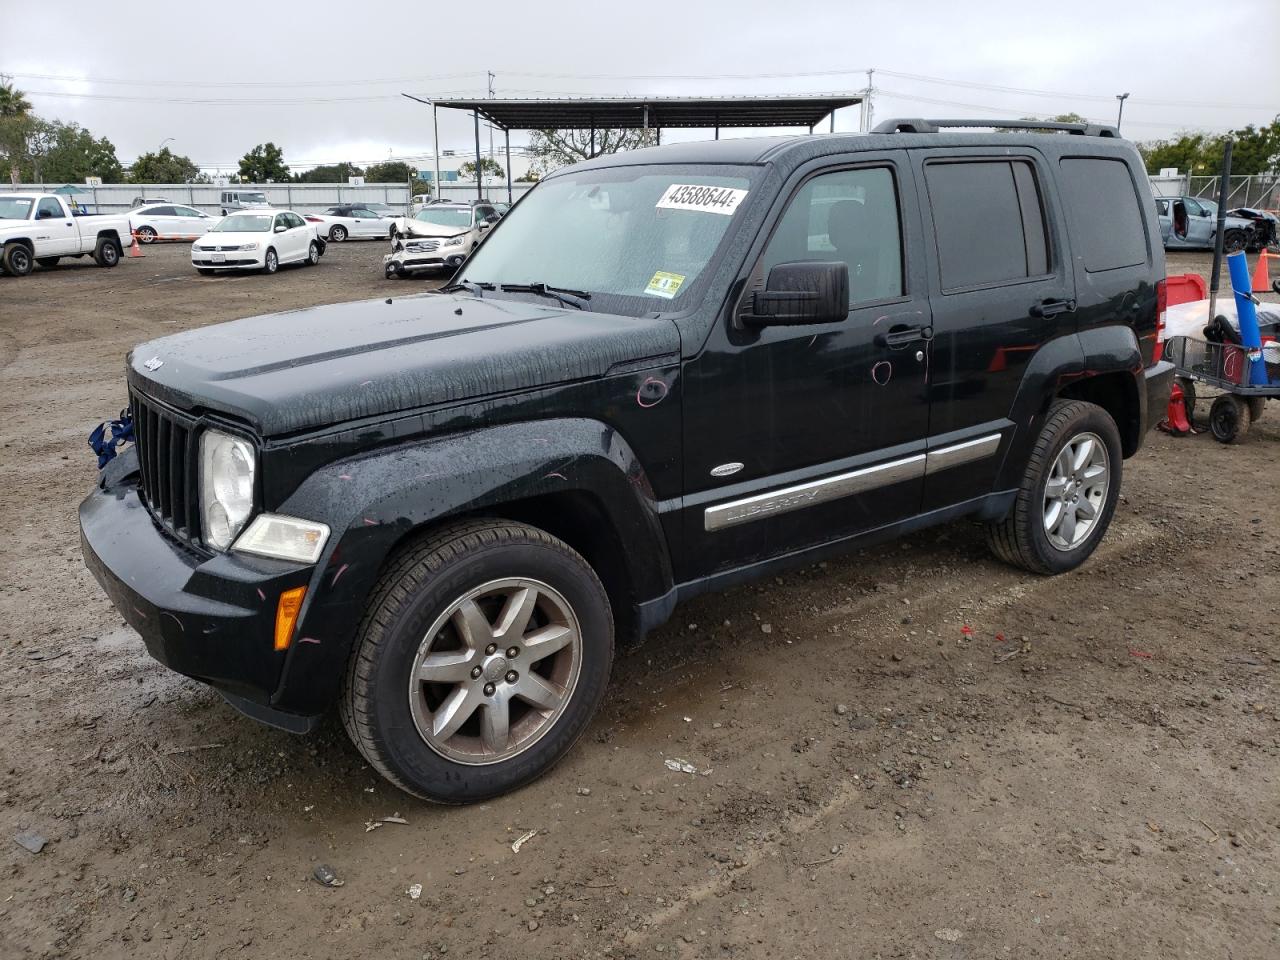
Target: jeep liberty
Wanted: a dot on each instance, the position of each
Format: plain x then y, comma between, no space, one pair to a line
664,372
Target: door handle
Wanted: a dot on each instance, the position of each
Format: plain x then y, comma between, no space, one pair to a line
901,336
1051,308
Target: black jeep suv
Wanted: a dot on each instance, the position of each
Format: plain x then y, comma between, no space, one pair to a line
664,372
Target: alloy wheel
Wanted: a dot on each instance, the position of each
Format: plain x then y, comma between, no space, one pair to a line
495,671
1076,491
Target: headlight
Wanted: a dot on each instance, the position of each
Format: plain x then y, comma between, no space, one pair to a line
284,538
249,246
453,241
226,486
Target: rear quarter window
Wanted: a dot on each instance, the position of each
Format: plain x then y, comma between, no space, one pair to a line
1106,219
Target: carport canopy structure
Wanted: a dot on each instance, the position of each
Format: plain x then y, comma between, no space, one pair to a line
647,113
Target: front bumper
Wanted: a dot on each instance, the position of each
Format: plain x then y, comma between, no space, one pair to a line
207,617
1159,383
232,260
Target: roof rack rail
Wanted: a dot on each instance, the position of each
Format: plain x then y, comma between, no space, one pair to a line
917,125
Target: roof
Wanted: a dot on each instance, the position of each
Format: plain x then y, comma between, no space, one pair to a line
662,112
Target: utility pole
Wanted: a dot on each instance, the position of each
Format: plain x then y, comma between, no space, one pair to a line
1122,97
870,111
492,76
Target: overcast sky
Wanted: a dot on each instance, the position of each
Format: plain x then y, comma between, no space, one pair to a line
322,79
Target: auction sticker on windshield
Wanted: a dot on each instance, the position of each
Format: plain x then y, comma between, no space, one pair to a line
692,196
665,284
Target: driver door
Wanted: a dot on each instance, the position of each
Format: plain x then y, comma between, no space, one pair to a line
55,230
798,435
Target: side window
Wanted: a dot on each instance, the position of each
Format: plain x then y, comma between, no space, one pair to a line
850,216
281,221
49,209
186,212
988,217
1162,208
1107,225
1194,208
296,221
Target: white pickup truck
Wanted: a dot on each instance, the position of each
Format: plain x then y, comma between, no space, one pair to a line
41,228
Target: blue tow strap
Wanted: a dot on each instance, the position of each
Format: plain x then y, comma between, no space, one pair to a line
104,446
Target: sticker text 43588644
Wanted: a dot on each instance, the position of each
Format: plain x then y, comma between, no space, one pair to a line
704,199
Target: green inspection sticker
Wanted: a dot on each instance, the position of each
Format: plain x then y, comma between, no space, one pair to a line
665,285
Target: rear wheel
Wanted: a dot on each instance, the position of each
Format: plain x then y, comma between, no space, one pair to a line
271,262
1068,492
1229,419
337,234
17,260
48,262
146,234
106,253
484,653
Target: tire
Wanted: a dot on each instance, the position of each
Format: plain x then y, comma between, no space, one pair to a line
1233,240
205,271
17,260
1188,398
271,262
313,254
48,263
1229,419
1032,535
337,233
394,232
146,234
418,604
1256,405
107,253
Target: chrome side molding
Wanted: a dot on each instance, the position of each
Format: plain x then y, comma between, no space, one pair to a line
848,484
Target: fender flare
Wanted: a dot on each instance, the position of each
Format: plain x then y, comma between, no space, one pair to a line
373,502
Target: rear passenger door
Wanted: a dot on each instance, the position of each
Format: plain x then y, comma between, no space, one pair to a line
1000,288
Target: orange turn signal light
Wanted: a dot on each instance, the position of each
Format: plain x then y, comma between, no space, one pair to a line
287,615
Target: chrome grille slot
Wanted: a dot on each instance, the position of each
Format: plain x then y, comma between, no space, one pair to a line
167,465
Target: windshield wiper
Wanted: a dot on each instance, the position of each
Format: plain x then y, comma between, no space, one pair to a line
477,287
570,298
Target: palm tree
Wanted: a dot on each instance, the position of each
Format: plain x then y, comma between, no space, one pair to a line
15,108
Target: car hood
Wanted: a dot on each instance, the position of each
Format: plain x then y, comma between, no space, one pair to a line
12,223
226,238
289,372
418,228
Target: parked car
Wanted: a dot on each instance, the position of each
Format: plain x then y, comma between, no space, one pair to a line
668,371
1188,223
354,221
243,200
169,222
146,201
437,237
41,228
257,240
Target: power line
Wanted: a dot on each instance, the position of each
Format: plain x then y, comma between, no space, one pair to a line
258,84
987,108
227,101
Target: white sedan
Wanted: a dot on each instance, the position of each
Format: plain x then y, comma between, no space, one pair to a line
350,220
169,221
257,240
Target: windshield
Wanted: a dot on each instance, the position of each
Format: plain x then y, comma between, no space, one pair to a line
445,216
244,223
253,198
642,236
15,208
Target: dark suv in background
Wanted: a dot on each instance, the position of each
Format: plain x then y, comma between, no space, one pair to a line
665,372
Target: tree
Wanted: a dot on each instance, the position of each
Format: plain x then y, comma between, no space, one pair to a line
163,167
263,163
1188,152
330,173
74,154
530,176
1256,150
555,148
488,166
15,120
393,171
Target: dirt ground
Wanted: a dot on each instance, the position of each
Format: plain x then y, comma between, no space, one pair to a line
913,752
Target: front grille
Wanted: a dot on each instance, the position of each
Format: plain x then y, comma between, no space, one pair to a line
422,246
167,459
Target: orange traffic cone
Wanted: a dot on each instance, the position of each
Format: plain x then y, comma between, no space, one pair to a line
134,249
1261,277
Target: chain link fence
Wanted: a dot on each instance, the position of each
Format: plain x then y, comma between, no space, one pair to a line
1261,191
303,197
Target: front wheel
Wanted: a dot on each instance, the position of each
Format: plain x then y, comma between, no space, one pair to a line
313,254
1234,240
392,271
1068,492
271,262
17,260
484,652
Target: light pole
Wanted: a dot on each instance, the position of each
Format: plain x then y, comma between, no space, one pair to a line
1122,97
163,142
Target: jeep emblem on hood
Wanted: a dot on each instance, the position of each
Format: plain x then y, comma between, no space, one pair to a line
154,364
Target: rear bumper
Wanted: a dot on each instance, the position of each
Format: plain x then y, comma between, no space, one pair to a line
1158,379
211,618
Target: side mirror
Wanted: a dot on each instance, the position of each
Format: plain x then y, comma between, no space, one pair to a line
799,293
281,228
